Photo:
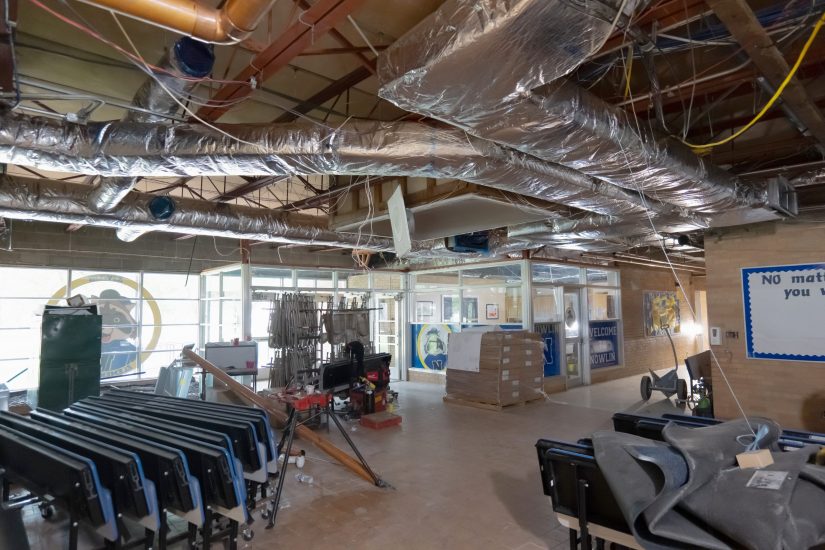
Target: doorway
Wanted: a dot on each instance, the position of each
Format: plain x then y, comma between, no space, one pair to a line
573,337
386,330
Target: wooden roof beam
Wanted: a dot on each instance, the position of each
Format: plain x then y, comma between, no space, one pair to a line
742,23
317,20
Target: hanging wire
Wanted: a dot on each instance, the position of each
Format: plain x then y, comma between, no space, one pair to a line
704,148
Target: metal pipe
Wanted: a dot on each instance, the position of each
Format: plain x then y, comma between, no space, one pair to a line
228,25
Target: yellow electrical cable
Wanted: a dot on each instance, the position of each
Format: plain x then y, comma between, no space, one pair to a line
700,149
628,72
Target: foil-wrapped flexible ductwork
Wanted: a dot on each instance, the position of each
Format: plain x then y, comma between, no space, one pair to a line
62,202
181,67
495,68
356,148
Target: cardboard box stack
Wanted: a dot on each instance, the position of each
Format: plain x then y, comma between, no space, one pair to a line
510,370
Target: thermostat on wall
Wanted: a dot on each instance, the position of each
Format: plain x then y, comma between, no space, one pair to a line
715,336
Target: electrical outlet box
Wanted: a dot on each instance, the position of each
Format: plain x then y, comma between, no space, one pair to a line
715,336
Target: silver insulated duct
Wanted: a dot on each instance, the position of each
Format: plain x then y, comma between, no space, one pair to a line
355,148
495,68
180,72
63,202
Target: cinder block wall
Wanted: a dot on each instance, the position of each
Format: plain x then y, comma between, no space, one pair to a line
640,352
49,244
790,392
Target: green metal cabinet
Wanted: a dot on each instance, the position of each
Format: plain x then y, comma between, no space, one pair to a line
69,356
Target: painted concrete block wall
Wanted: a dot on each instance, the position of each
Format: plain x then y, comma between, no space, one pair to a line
48,244
790,392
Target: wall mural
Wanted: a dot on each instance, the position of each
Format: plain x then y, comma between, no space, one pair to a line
118,304
430,345
661,310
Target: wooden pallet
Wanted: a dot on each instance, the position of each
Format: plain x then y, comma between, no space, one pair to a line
478,404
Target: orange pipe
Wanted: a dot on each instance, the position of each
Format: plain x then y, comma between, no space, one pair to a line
229,25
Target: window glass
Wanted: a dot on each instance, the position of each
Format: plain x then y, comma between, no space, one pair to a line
561,274
169,337
211,286
173,286
21,312
271,277
436,280
231,284
231,312
602,277
492,275
105,285
349,279
26,282
170,312
314,279
603,304
547,304
386,281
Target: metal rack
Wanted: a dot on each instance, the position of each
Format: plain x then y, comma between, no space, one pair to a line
299,330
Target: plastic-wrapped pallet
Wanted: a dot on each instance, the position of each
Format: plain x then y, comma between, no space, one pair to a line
497,368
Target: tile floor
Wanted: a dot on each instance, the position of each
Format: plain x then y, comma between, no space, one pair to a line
462,477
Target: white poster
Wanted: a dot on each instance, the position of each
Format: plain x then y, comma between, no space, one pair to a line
785,312
464,350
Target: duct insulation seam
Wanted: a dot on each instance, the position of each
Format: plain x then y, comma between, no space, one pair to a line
366,148
64,202
181,68
510,57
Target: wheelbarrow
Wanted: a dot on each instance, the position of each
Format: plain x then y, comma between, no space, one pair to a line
670,383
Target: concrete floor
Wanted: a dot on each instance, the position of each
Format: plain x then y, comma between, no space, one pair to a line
462,477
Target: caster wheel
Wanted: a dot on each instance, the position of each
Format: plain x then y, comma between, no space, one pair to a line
646,388
265,514
248,535
47,512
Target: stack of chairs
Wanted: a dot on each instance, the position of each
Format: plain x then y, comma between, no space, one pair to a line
125,462
581,498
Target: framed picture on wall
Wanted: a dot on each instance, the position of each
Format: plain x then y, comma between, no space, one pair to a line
491,312
423,310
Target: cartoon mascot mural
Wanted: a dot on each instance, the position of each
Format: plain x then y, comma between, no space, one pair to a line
119,333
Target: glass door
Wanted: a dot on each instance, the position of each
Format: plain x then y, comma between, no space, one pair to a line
547,321
573,337
386,330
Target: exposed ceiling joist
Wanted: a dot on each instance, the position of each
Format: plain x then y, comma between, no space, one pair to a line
317,20
251,185
330,92
342,40
751,35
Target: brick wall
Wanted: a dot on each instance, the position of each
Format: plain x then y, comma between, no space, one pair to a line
790,392
48,244
640,352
